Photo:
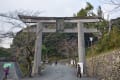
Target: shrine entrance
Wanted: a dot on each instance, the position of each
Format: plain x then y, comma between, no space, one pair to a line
58,24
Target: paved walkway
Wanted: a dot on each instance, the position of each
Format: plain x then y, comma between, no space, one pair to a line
58,72
51,72
1,71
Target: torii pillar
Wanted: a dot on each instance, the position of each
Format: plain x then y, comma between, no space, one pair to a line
81,47
38,49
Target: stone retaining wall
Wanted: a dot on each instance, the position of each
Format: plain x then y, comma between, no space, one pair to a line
105,66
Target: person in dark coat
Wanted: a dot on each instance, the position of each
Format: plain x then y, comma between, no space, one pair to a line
56,62
79,71
6,71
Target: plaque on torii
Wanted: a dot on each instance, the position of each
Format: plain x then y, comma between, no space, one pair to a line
59,25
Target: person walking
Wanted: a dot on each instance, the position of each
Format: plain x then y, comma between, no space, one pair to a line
56,62
6,71
79,71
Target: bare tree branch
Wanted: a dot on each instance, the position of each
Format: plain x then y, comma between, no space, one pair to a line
115,2
13,19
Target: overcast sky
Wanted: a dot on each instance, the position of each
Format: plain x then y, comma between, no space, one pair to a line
50,8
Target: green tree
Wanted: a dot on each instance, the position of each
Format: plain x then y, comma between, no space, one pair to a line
24,43
107,42
87,11
5,52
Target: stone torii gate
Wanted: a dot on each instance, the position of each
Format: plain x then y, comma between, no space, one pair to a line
59,26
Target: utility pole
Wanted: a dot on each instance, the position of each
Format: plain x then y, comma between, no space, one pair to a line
109,23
